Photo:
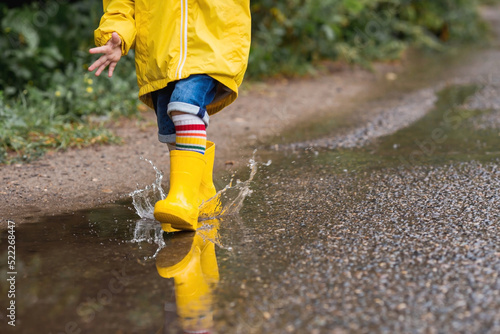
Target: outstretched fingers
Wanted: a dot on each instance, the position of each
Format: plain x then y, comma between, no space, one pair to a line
111,69
100,49
98,64
111,54
101,68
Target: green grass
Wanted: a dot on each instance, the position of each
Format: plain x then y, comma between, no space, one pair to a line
48,99
32,125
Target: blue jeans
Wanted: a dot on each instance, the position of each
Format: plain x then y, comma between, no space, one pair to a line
190,95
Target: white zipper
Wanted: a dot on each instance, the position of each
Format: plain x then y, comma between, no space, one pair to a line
183,39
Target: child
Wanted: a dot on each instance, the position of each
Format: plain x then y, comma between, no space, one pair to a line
190,58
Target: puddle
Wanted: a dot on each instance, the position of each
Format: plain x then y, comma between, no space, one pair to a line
113,270
75,270
448,133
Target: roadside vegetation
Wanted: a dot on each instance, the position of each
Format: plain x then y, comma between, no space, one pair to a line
48,100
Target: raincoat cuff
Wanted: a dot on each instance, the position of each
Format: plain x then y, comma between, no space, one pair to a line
102,38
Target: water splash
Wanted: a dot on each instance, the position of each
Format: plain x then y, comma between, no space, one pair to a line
144,199
149,230
209,231
235,194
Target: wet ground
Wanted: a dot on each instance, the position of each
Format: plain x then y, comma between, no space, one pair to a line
381,225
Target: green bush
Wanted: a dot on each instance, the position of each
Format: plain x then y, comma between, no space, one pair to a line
48,99
42,38
359,31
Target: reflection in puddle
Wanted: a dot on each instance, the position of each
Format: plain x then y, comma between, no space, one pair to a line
189,258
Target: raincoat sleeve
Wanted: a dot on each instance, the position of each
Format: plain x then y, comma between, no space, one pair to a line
119,16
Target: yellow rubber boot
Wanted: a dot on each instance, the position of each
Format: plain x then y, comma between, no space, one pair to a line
183,261
207,188
180,209
208,259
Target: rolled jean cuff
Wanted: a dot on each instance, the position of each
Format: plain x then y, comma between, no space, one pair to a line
166,138
188,109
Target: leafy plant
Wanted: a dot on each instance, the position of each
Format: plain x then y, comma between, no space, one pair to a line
27,135
289,36
47,97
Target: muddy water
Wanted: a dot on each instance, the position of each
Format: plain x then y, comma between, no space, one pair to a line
76,269
113,270
398,235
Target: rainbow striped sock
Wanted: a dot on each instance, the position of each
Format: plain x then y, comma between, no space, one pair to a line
190,133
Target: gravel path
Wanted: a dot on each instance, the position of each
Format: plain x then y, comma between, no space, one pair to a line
392,251
410,249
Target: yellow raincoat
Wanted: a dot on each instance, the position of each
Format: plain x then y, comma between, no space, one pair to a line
176,38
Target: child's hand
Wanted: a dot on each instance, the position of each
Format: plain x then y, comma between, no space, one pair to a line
112,52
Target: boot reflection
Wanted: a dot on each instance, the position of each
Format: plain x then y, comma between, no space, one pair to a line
189,258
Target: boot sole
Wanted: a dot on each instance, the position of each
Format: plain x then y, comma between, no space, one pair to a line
175,221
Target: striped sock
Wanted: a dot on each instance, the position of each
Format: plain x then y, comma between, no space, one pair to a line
190,133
